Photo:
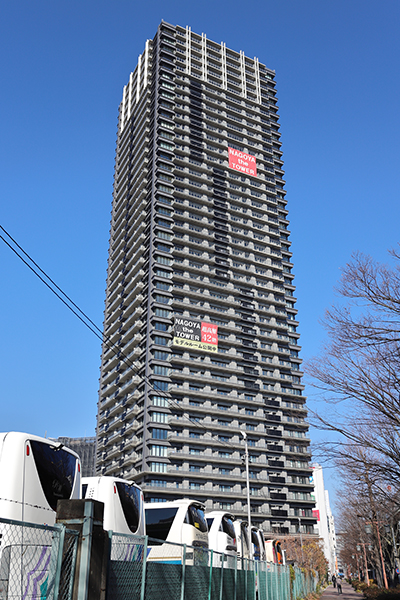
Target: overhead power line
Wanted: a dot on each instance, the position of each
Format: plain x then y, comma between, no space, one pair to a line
87,321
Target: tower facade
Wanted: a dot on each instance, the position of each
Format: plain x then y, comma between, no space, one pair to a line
201,341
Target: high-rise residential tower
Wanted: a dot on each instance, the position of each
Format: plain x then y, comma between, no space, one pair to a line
200,319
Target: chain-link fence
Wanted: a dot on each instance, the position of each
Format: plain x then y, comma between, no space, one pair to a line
31,561
147,569
303,583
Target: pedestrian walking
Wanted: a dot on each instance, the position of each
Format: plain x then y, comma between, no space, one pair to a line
334,580
339,587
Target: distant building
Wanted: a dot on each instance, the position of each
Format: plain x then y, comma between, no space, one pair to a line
325,527
85,448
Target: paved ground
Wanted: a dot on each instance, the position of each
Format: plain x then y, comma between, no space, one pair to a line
349,593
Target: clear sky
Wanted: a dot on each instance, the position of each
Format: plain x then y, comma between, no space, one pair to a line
63,67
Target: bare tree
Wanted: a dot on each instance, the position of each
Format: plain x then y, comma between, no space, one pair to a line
358,373
368,516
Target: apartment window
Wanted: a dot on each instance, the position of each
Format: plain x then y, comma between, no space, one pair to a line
159,401
162,386
158,467
162,312
194,468
225,488
164,235
225,505
160,355
160,370
159,434
161,326
164,260
194,451
194,485
161,341
158,482
157,417
161,285
158,451
163,247
224,454
162,273
225,471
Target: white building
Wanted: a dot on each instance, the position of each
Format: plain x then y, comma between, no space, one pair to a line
325,527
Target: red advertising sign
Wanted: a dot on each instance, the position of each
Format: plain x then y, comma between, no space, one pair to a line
209,333
240,161
196,334
315,514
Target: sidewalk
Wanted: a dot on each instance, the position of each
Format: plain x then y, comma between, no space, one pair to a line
349,593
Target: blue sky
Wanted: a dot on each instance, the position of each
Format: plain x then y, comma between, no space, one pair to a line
63,66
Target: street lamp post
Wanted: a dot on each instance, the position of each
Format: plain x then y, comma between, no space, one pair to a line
365,562
301,541
244,434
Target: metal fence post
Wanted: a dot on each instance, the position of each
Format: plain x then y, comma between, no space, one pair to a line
236,569
61,538
143,584
86,548
221,586
245,579
183,572
210,580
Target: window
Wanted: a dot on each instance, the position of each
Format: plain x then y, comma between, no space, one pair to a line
161,341
159,401
161,285
158,467
160,355
164,235
159,434
225,488
163,247
161,386
164,260
162,273
162,312
158,451
194,485
158,483
160,370
225,471
161,326
224,454
159,522
56,470
162,299
194,451
158,417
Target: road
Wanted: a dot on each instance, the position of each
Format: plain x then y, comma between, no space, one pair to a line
348,593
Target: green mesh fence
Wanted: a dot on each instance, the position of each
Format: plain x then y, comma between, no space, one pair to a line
144,569
68,564
31,560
